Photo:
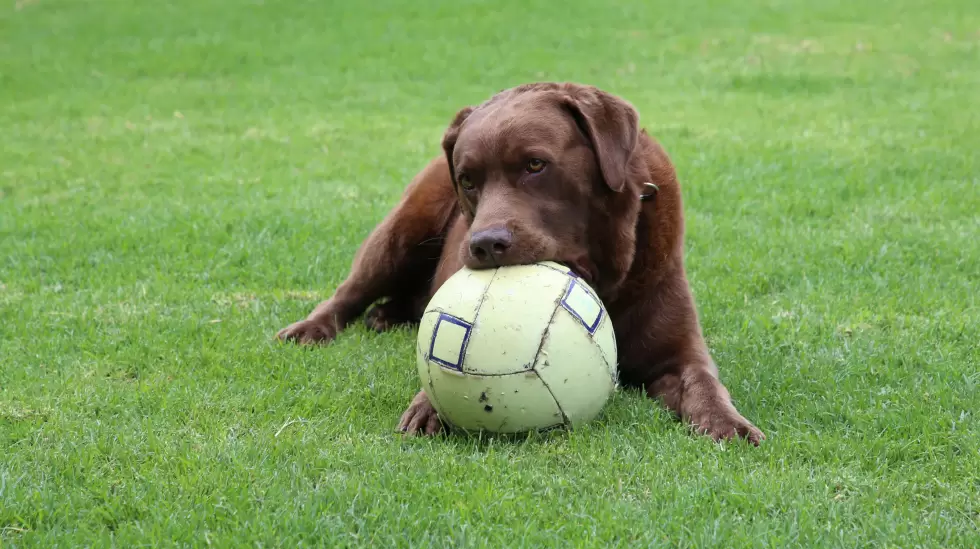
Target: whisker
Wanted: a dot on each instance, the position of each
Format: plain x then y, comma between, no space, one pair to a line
431,240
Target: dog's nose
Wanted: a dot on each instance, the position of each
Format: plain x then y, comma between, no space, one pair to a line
489,245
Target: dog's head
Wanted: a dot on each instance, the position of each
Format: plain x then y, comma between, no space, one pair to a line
541,173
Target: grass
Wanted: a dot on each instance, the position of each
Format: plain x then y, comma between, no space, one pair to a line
180,179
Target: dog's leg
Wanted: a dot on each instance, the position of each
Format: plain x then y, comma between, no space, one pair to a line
665,353
421,417
695,393
408,306
396,261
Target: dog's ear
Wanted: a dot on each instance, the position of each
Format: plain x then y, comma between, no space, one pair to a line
611,124
452,134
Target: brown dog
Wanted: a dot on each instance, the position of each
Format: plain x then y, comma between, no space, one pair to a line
547,172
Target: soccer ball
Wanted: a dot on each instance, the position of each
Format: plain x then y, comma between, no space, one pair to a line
516,349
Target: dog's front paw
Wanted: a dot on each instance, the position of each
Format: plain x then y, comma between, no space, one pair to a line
307,332
420,418
724,423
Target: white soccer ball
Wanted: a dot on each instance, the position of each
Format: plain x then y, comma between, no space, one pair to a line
517,349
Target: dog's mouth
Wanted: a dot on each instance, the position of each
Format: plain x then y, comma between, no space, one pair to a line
485,256
571,268
581,268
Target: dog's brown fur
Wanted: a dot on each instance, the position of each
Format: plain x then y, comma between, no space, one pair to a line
487,203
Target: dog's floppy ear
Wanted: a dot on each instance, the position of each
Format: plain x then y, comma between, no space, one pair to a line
450,137
611,124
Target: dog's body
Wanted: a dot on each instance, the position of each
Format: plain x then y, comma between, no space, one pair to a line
547,172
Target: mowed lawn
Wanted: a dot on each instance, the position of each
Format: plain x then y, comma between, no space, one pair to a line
179,180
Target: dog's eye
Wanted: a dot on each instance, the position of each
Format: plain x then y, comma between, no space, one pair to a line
535,165
465,183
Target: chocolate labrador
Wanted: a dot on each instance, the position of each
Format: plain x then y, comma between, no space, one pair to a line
547,171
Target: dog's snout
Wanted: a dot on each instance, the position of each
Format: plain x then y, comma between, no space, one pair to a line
489,245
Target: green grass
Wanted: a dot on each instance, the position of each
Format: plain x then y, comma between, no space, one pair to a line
180,179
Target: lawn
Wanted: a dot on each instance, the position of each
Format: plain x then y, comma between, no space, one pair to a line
179,180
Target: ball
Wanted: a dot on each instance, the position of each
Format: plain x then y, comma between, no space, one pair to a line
517,349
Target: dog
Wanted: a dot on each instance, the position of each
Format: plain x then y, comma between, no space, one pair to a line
547,171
